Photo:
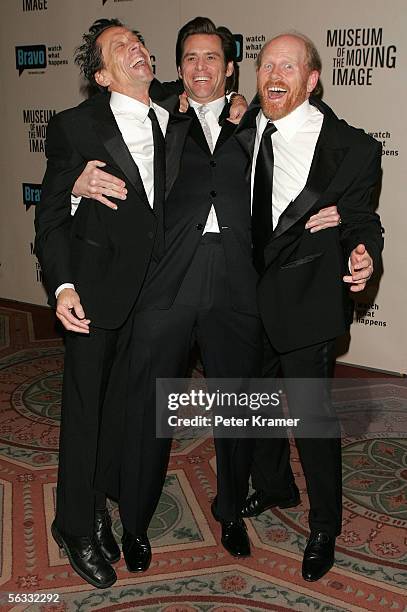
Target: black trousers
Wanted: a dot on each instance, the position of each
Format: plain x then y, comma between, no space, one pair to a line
95,381
230,343
320,457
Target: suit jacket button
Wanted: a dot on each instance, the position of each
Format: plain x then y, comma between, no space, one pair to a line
150,235
213,194
199,227
213,163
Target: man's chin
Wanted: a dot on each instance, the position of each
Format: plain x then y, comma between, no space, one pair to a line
201,93
143,73
273,111
201,98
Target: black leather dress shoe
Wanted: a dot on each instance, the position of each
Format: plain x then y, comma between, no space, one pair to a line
136,551
104,536
234,535
259,501
86,559
319,556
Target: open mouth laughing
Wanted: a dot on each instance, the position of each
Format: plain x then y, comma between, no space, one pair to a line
276,92
138,62
201,79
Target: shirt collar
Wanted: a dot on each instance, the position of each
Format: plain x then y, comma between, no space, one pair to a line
216,106
125,105
289,125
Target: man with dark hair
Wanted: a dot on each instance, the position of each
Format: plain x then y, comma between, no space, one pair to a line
94,264
304,157
203,288
88,55
203,25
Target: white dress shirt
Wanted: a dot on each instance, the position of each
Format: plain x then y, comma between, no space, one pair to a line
212,119
135,126
293,147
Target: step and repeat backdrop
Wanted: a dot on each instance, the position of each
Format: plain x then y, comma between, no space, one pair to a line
363,49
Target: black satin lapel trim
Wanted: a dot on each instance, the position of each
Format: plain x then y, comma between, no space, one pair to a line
247,140
224,114
108,130
325,164
177,132
226,132
196,132
118,150
168,101
246,131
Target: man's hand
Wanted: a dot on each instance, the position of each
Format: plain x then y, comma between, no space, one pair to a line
183,102
238,107
94,183
70,312
361,266
326,217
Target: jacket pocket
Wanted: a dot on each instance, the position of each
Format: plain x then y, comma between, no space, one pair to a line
92,242
300,262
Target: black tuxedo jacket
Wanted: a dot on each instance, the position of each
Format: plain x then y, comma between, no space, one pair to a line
104,253
198,180
301,296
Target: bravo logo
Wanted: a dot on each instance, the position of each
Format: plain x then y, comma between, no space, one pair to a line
31,194
31,56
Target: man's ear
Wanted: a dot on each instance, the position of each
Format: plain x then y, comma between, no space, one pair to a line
101,78
229,69
179,72
312,81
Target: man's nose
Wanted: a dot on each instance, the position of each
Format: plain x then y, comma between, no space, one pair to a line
275,73
200,63
135,45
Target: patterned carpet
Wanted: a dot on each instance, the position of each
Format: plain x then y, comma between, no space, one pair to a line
190,571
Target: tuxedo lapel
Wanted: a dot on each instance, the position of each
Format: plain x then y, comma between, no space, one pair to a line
177,131
228,128
226,132
108,131
246,133
325,163
196,131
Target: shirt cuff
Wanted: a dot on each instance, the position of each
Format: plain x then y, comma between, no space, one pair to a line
75,201
64,286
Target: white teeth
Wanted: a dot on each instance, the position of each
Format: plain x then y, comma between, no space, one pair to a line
277,89
139,61
201,79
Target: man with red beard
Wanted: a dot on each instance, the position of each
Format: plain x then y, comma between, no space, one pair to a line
303,158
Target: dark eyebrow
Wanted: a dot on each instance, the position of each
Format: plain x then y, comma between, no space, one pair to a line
206,53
